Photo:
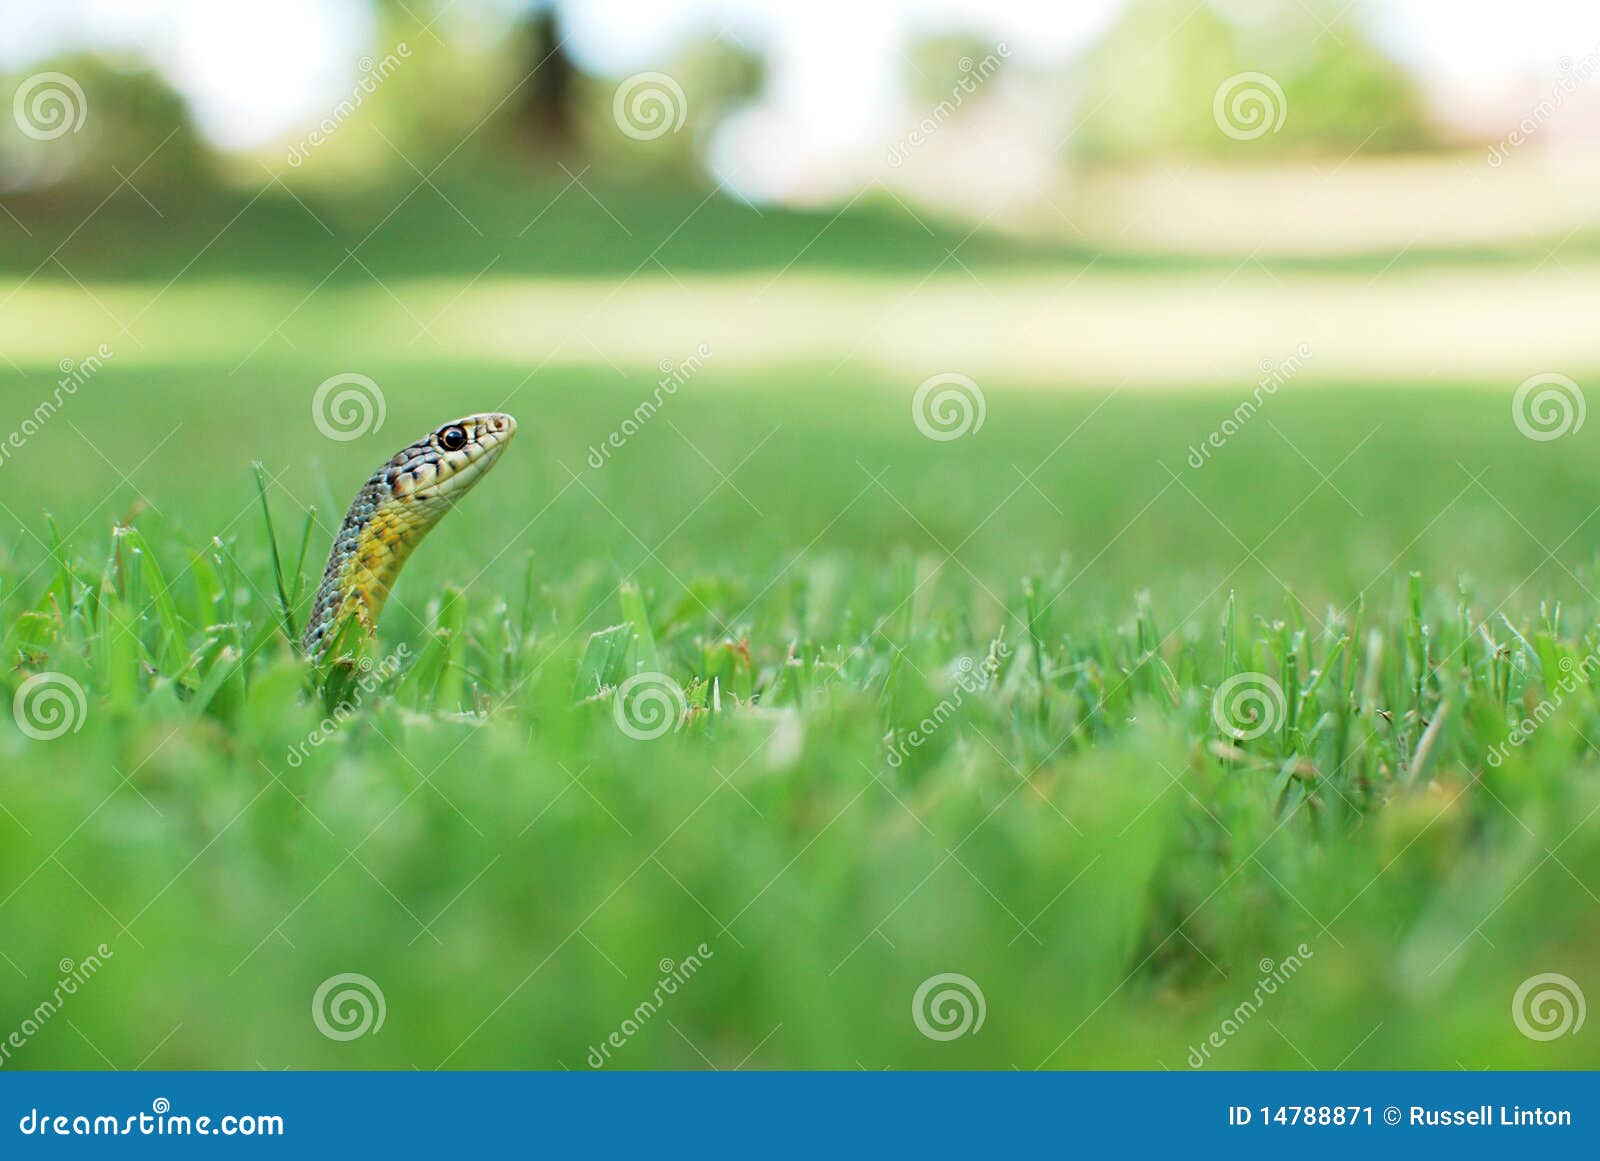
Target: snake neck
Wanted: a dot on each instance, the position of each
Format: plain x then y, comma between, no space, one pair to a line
378,536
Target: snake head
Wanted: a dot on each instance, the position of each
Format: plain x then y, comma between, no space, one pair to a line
443,466
399,505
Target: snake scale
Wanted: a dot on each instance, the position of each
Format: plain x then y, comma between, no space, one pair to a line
402,502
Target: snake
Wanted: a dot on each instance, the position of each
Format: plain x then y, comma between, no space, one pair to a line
401,503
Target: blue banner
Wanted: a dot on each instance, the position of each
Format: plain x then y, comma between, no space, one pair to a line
794,1114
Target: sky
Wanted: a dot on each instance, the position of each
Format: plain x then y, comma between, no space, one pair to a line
254,73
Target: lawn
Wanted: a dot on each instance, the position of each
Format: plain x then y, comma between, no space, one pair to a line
757,728
951,708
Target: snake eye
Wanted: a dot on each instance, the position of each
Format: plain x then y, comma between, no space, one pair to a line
452,439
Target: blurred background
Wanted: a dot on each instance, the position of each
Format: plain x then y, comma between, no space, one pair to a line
1089,209
1282,298
354,144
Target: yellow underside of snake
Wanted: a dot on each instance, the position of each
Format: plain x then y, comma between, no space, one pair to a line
400,504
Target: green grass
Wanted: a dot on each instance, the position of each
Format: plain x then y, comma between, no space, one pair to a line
1078,836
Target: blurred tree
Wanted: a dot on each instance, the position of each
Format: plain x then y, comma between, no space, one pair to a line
89,122
547,114
435,81
1246,80
709,79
